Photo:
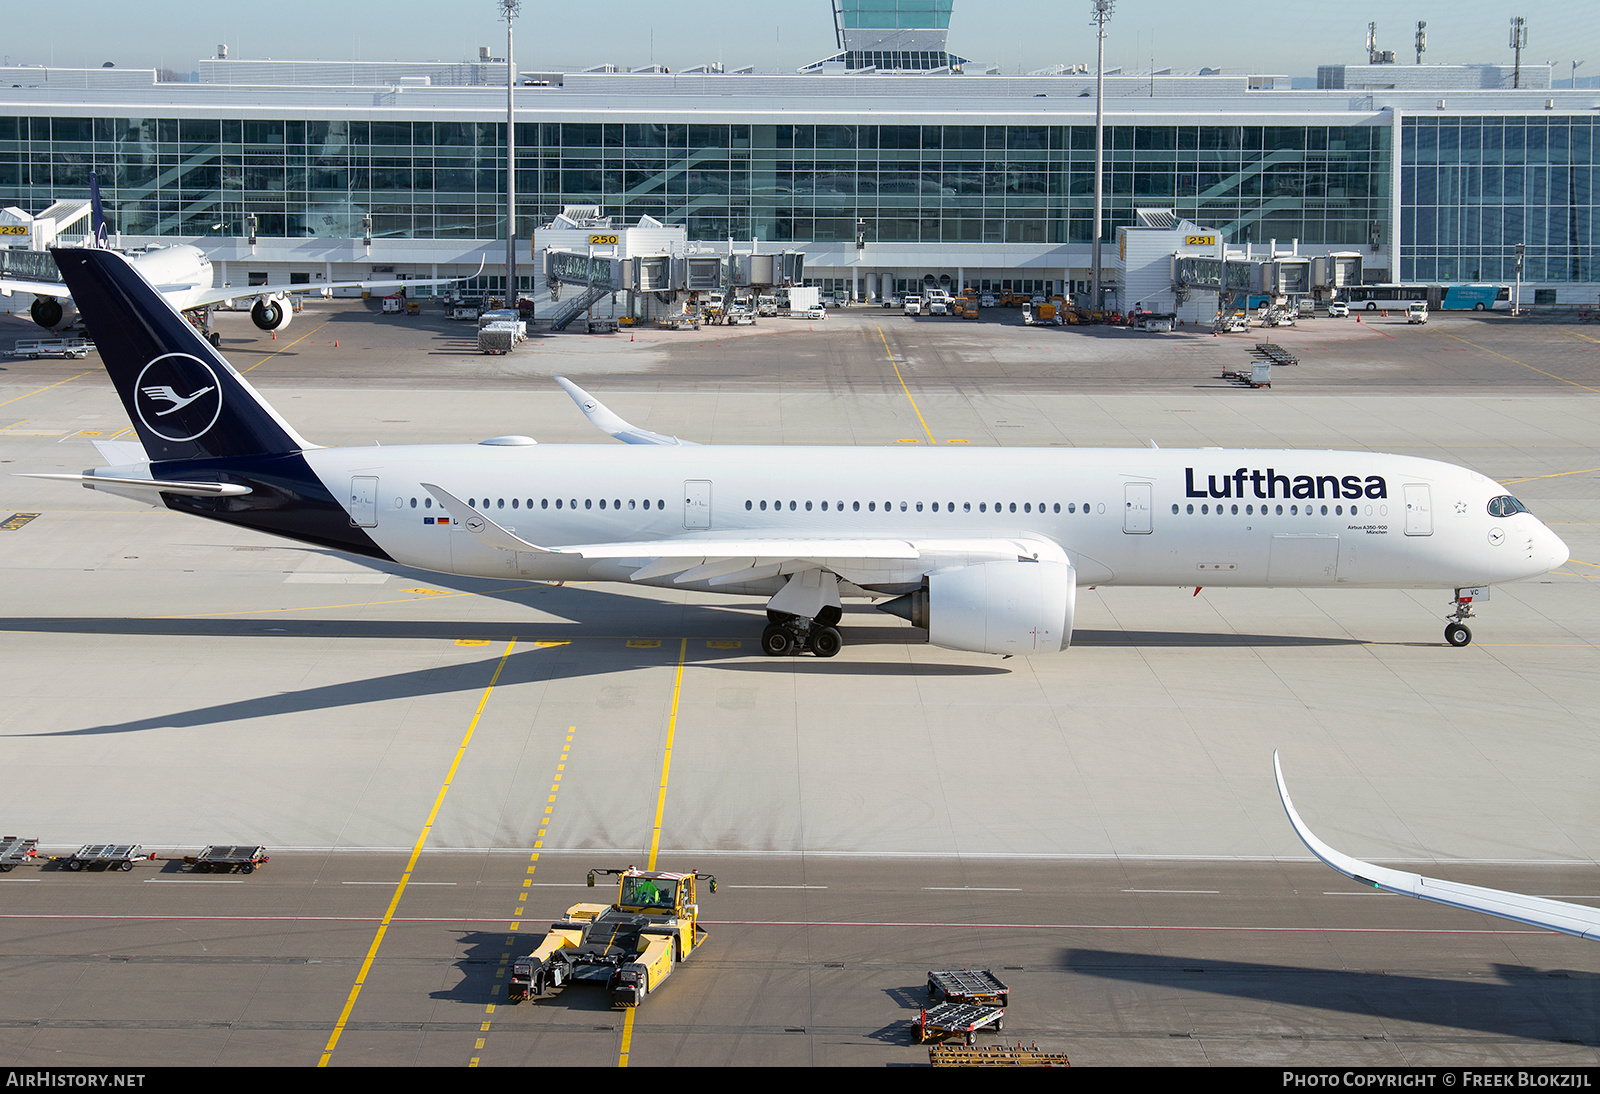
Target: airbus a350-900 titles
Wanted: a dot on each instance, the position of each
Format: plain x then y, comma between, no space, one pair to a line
984,548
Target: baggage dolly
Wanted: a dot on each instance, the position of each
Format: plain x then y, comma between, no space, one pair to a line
225,859
967,986
957,1019
14,851
118,856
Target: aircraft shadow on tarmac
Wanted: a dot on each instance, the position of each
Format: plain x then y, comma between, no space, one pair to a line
1556,1005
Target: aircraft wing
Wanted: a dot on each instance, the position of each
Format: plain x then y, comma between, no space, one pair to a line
9,285
727,560
608,422
217,296
1555,915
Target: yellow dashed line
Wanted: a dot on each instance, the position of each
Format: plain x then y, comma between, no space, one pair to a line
527,883
411,865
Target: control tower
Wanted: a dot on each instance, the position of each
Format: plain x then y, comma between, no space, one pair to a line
890,36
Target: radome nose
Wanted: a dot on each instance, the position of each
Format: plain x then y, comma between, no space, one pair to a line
1554,551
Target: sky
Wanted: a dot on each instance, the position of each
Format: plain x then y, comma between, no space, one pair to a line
1019,35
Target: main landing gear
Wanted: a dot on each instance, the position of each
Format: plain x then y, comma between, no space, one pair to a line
1456,632
786,634
804,616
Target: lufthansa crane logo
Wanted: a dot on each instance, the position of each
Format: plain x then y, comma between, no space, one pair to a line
178,397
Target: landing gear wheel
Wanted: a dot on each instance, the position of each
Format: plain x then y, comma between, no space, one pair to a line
825,642
215,339
776,642
1457,634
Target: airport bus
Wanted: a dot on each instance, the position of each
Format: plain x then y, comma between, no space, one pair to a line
1437,297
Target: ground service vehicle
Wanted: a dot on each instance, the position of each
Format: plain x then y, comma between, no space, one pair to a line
913,304
631,945
1440,297
1338,310
1417,312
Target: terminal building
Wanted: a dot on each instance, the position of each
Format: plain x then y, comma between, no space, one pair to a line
891,165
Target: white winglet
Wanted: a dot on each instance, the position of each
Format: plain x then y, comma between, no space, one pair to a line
488,532
1555,915
608,422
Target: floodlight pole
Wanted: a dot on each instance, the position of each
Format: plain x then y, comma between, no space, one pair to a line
1101,13
510,9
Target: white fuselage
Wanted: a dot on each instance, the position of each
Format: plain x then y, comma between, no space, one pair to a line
180,273
1212,517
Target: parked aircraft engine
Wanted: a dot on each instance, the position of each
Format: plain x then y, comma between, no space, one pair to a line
271,313
996,607
47,312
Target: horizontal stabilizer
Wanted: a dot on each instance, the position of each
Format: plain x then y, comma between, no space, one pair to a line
165,486
1555,915
117,453
608,422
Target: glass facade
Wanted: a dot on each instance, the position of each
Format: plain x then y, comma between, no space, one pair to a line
1472,188
895,14
1323,185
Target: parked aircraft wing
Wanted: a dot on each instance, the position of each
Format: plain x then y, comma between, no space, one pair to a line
9,285
608,422
1555,915
217,296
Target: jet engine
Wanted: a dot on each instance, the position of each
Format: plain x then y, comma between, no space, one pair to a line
996,607
47,312
271,313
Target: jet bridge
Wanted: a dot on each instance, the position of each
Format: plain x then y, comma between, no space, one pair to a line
663,276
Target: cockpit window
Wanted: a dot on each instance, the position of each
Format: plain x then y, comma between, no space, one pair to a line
645,892
1505,506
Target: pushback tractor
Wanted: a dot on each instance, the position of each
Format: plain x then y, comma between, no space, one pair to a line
630,946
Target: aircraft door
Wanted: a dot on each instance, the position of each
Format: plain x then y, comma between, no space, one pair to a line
363,503
697,504
1419,510
1136,508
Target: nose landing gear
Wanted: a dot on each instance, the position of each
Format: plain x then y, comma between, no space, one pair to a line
1456,632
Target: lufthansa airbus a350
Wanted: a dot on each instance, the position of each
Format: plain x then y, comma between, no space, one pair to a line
984,548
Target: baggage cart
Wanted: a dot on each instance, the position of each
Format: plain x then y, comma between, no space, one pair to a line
967,986
15,851
226,858
113,856
962,1020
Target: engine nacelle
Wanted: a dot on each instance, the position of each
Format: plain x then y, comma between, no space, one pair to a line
271,313
996,607
47,312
